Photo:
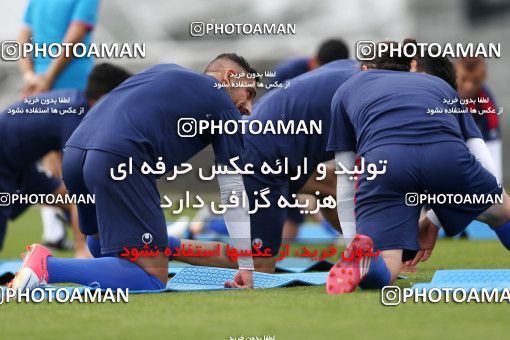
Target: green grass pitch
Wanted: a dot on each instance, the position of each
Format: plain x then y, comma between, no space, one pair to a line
285,313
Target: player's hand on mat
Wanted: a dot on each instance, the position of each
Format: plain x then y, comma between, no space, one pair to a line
407,267
427,237
242,279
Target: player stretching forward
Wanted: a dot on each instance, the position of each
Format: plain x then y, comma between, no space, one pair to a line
28,133
381,113
308,99
139,119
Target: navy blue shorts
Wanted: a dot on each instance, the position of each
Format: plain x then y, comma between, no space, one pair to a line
267,223
34,180
124,210
436,168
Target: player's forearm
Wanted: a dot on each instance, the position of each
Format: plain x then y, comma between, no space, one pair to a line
237,219
75,34
26,66
345,196
481,152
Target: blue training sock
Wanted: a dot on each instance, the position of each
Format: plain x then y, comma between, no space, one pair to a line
503,232
107,272
378,274
94,246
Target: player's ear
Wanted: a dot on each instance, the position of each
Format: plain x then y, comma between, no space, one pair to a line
364,67
228,75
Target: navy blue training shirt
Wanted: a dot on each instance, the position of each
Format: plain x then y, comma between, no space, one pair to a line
291,68
307,98
31,128
139,118
378,107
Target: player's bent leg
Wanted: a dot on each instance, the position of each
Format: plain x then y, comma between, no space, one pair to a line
290,230
265,264
40,267
497,214
155,266
498,218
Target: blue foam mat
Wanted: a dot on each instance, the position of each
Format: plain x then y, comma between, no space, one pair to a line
193,278
209,278
468,279
288,265
10,266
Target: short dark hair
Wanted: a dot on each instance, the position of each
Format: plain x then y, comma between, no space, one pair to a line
439,66
239,60
331,50
387,61
103,78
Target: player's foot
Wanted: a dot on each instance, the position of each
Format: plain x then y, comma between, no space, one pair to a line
33,272
347,273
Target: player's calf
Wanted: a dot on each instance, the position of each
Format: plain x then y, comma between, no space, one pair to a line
498,218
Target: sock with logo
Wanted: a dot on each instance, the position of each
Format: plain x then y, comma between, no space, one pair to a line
107,272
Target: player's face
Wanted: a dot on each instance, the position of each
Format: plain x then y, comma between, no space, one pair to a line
469,83
244,95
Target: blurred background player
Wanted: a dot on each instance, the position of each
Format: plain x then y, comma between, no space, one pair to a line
471,76
27,136
56,21
329,50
